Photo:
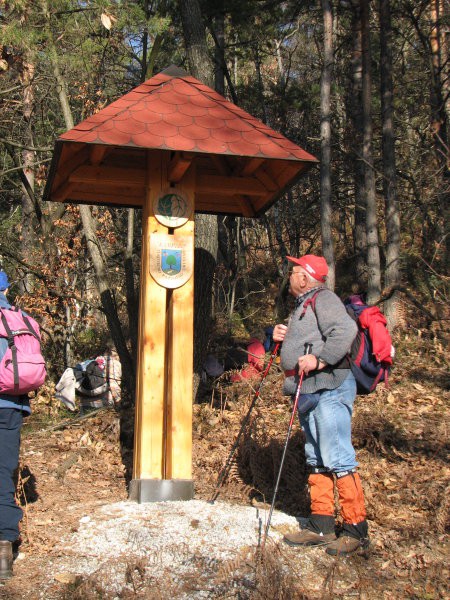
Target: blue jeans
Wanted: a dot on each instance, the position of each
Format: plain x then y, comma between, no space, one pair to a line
328,429
10,513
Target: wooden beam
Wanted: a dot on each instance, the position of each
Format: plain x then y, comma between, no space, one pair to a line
250,167
99,194
62,193
179,164
69,161
283,171
229,186
220,164
229,205
102,175
266,180
246,206
127,199
97,153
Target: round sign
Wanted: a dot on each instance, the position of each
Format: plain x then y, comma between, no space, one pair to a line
172,208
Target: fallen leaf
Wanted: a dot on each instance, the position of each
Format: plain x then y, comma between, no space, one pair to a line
67,578
106,21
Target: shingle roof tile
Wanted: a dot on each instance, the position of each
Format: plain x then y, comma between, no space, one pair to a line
178,119
194,110
226,135
211,146
177,112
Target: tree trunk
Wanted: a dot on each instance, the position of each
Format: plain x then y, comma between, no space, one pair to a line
440,107
392,268
260,88
28,235
355,102
200,64
130,291
325,141
206,234
373,252
219,53
106,294
206,246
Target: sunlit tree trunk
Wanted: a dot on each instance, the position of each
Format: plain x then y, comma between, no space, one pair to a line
130,289
392,268
325,140
440,107
28,236
373,252
355,102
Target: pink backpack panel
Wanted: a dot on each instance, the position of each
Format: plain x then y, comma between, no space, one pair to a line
22,366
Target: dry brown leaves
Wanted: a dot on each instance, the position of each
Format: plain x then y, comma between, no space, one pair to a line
401,438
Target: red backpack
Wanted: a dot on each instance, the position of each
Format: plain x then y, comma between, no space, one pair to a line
371,354
22,366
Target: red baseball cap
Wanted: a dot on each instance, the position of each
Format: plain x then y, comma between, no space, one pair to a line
316,266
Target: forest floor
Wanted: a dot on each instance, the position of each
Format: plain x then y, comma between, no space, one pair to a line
73,486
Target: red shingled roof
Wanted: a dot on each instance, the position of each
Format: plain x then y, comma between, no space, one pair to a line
239,166
173,112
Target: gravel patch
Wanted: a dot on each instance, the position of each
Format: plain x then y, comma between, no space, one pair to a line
185,544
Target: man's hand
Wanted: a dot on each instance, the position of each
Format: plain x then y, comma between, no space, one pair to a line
279,332
309,362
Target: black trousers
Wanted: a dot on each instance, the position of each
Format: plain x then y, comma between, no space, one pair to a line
10,514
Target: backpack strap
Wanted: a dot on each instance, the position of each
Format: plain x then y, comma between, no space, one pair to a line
377,379
30,327
344,363
12,346
310,302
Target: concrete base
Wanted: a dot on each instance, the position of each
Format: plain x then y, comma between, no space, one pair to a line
160,490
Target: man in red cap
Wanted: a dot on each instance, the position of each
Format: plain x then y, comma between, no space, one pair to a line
325,406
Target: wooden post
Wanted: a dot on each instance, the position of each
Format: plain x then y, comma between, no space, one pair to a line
162,468
179,442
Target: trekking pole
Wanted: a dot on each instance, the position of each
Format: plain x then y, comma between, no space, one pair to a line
225,471
308,348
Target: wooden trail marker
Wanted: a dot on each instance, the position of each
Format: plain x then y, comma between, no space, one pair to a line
171,147
163,432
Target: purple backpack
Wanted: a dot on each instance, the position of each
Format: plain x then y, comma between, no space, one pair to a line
22,366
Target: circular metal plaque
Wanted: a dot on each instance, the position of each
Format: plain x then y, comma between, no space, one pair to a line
172,208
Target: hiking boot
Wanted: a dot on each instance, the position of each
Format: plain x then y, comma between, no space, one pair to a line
6,559
345,545
306,537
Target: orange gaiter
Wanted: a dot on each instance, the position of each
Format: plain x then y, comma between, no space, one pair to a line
321,488
351,498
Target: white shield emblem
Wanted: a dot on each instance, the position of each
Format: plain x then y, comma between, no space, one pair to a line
171,259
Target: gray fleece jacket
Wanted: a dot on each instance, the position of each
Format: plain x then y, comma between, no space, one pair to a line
331,332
